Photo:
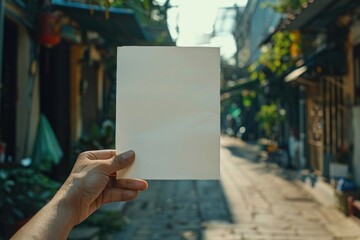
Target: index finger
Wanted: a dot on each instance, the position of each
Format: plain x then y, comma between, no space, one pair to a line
101,154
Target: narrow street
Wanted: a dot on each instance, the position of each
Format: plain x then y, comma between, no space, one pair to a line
251,202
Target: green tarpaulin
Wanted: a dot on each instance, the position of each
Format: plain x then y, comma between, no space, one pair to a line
47,148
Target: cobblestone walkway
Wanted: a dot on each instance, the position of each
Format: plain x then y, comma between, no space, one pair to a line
252,202
175,209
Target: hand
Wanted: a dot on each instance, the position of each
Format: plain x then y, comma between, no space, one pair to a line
92,182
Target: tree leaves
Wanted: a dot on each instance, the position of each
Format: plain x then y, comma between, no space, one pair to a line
284,51
269,118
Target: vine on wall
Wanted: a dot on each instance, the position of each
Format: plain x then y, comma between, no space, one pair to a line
278,56
284,48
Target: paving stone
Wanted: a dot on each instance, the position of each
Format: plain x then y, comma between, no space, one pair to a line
252,201
277,232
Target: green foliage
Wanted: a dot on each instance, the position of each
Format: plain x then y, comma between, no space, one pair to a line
247,97
148,11
102,137
269,119
285,49
285,6
23,191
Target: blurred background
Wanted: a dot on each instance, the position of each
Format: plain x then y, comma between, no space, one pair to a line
290,114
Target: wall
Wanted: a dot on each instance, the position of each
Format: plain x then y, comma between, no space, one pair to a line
356,157
355,130
24,106
27,89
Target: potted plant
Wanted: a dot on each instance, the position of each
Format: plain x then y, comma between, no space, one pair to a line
341,166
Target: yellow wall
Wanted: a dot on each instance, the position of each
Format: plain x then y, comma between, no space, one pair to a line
75,101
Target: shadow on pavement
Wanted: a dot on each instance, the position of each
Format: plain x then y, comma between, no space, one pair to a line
247,151
250,152
175,210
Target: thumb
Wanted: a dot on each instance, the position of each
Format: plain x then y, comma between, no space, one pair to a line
120,161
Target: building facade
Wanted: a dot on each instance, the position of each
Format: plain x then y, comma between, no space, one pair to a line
57,61
320,91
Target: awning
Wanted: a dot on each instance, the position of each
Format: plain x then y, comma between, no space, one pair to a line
306,15
245,83
330,60
122,28
317,14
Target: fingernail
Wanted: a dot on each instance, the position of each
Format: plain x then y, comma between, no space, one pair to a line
127,154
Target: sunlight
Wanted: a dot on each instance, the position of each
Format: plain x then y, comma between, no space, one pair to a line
192,23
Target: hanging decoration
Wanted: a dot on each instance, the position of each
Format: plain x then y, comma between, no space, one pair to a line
49,29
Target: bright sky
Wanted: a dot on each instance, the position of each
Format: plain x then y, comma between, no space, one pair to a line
191,23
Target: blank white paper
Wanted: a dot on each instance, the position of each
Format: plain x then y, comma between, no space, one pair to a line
168,111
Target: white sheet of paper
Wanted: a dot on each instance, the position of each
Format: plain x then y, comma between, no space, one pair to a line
168,111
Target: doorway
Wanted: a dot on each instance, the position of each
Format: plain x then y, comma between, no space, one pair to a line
9,90
55,97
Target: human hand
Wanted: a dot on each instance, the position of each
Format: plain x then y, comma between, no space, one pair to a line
92,183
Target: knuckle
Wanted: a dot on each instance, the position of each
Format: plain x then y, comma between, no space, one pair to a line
85,155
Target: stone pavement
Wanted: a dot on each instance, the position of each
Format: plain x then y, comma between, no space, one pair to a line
253,201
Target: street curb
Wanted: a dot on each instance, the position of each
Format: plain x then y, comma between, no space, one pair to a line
322,192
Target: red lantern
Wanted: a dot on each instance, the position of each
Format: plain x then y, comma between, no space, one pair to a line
49,32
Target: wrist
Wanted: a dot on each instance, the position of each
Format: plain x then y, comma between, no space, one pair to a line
63,203
64,211
54,221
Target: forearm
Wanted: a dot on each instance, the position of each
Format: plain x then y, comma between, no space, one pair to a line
54,221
